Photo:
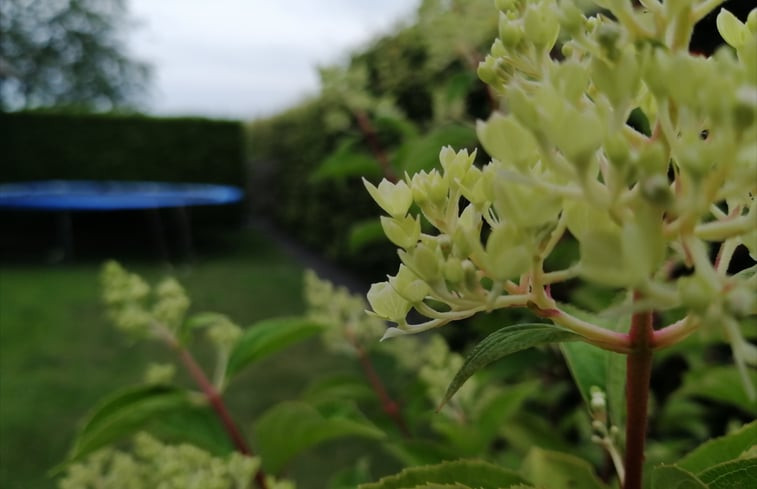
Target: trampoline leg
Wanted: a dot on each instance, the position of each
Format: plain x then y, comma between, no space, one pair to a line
158,234
64,249
185,233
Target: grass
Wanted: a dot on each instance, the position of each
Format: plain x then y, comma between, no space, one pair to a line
59,354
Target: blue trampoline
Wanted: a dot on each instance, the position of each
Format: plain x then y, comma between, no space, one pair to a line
79,195
67,196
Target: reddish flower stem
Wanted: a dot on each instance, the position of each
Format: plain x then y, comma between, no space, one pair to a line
369,132
216,402
389,405
638,374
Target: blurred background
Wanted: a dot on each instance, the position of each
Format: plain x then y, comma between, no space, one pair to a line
291,102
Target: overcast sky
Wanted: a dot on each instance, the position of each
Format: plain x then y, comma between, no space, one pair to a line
247,58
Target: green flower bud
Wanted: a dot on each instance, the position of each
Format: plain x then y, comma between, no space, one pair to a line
583,218
524,108
741,301
409,286
455,165
730,27
608,35
656,73
498,50
395,199
541,25
619,80
510,32
404,232
602,259
507,256
507,141
642,244
751,21
470,275
224,334
487,70
453,270
424,262
387,303
617,150
656,190
465,239
160,373
572,20
571,79
652,159
514,203
696,292
578,135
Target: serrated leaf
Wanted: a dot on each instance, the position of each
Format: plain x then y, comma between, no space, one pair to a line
364,233
558,470
736,474
672,477
267,337
473,473
290,427
123,414
503,342
720,384
346,161
721,449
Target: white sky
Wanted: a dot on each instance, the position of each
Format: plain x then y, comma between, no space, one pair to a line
248,58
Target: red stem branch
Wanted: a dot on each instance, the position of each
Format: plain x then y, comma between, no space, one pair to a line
216,402
389,405
369,132
638,374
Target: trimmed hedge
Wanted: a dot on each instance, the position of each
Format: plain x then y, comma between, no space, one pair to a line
44,146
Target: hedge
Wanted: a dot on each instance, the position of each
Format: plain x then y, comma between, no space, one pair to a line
43,146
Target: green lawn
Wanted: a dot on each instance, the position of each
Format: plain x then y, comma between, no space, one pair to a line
59,354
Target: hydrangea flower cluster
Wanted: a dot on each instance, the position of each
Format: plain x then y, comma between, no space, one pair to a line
152,463
565,158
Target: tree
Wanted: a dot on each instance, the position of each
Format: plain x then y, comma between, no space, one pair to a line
67,53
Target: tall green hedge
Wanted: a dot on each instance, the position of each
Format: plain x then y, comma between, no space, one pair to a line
43,146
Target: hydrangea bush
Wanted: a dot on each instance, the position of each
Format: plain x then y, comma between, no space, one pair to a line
613,133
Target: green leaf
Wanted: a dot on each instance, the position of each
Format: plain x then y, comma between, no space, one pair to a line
736,474
344,387
557,470
673,477
347,161
720,384
721,449
592,366
124,413
197,425
267,337
290,427
473,473
503,342
364,233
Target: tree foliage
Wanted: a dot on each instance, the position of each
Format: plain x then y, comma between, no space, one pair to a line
67,53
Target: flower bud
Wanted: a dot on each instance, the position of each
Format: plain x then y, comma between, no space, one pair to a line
455,165
730,27
524,108
510,32
578,135
387,303
652,159
696,292
395,199
409,286
571,18
507,256
740,301
453,271
656,190
403,232
424,262
540,25
507,141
